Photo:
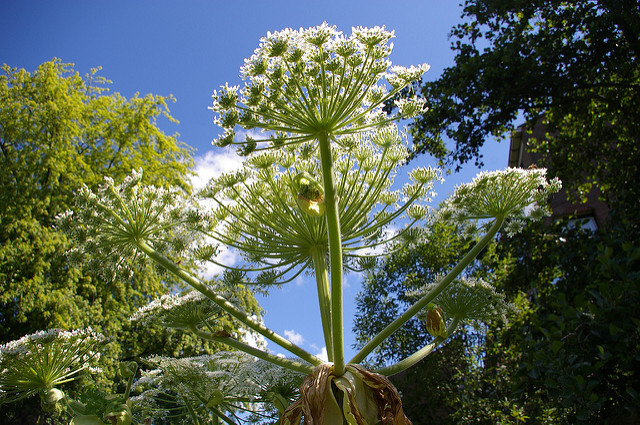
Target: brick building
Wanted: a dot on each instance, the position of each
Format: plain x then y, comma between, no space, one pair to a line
591,214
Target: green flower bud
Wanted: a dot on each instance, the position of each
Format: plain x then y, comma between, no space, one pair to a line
435,322
310,194
49,401
52,395
216,398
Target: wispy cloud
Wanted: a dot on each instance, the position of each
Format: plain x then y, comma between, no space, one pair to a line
208,166
226,256
294,336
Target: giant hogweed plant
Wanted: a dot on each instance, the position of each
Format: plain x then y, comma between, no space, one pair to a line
315,195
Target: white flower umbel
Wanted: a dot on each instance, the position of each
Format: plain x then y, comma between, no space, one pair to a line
514,192
112,228
469,300
222,384
46,359
259,213
300,83
318,86
179,311
107,225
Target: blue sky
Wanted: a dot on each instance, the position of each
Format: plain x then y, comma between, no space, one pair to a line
190,48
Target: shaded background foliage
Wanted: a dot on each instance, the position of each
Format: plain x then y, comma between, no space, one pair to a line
570,353
59,131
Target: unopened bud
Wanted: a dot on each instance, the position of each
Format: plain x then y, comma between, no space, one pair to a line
310,194
435,322
216,398
52,395
49,400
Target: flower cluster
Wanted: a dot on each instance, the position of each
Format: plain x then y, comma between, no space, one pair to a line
46,359
263,212
469,299
299,83
179,311
107,225
224,384
514,192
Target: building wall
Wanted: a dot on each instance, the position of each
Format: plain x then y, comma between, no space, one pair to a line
520,156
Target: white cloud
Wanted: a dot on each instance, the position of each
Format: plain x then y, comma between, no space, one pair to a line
293,336
323,354
213,164
254,339
300,280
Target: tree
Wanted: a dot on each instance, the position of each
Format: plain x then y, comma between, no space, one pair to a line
571,64
576,349
568,353
58,132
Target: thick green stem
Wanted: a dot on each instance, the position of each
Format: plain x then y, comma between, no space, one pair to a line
279,361
232,310
335,251
424,301
324,297
418,355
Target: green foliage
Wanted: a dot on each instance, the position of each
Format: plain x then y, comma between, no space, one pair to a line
578,347
59,131
572,63
569,353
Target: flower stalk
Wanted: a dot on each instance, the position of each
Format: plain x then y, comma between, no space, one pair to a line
319,255
231,342
428,298
241,316
413,359
335,251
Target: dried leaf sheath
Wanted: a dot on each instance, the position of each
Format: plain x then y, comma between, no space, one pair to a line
366,398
